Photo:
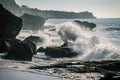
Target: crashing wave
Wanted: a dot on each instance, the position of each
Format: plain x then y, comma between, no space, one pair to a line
91,45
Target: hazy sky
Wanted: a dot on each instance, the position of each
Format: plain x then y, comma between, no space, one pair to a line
100,8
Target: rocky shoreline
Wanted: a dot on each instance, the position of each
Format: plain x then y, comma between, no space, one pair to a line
21,52
107,69
67,69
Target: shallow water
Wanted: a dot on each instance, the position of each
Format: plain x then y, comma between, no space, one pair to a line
11,74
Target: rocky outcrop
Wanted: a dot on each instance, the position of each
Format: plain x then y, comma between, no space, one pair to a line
85,24
75,67
32,22
10,25
19,50
51,14
12,7
14,49
58,52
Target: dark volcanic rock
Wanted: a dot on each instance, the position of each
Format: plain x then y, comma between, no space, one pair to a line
85,24
31,22
10,25
19,50
78,66
6,44
59,52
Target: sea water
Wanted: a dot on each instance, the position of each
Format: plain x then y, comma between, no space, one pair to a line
103,42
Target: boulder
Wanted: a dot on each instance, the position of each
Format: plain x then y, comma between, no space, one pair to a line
10,25
60,52
19,50
32,22
6,44
85,24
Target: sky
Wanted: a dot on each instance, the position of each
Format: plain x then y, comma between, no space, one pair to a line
99,8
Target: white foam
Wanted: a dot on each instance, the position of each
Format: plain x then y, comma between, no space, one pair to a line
91,45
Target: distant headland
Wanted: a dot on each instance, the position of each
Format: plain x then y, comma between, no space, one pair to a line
48,14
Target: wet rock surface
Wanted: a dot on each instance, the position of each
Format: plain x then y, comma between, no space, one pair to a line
19,50
13,48
10,24
85,24
83,67
60,52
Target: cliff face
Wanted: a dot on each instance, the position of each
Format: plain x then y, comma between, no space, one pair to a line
58,14
18,11
11,6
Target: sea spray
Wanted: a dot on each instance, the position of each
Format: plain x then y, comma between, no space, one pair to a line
91,45
46,38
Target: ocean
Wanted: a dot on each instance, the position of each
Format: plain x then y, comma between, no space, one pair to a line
98,49
103,42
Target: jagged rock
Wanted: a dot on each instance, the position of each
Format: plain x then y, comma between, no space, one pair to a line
31,22
85,24
19,50
59,52
10,25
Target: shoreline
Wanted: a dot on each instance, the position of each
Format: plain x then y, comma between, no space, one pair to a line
12,74
64,69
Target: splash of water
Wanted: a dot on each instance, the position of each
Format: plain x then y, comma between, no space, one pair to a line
91,45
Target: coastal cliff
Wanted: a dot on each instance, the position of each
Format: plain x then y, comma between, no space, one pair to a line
48,14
